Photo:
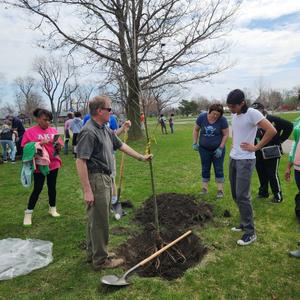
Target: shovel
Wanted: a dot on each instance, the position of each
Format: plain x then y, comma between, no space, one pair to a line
117,207
114,280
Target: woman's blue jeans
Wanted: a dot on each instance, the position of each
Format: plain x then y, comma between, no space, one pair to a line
11,145
207,158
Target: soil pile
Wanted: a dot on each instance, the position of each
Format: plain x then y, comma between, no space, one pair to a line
170,264
177,213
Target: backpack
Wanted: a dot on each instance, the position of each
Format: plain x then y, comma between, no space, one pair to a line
6,134
297,205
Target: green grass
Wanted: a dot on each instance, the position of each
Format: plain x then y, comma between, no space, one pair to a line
290,116
262,270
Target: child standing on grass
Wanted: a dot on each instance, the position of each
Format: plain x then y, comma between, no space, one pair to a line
171,123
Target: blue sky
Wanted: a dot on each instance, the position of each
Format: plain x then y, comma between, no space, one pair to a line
264,48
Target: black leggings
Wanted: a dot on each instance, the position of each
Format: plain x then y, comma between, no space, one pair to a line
39,180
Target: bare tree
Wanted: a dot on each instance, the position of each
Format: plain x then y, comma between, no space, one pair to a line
275,100
161,98
82,95
146,38
58,82
27,98
8,109
203,103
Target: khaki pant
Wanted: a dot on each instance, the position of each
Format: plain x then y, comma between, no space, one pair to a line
98,218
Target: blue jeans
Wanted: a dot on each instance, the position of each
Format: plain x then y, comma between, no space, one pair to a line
208,158
11,145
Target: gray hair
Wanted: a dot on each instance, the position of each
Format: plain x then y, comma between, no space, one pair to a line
96,103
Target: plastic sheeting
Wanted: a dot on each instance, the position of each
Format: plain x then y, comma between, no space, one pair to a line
20,257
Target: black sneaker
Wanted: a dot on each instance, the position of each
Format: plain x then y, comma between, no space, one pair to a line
238,228
246,239
276,201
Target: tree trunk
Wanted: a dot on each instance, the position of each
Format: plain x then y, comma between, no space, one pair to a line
133,109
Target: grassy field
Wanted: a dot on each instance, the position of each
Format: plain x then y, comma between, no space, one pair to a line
262,270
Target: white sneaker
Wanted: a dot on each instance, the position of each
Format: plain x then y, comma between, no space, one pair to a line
238,228
53,212
27,219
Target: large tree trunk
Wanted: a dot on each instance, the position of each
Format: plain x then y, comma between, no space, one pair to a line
133,114
133,106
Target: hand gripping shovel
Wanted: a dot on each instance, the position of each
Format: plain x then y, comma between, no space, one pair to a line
114,280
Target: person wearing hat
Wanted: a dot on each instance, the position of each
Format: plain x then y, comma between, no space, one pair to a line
245,122
267,168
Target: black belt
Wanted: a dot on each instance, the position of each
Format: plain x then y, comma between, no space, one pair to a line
94,171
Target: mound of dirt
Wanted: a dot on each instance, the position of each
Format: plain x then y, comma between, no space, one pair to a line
175,211
170,264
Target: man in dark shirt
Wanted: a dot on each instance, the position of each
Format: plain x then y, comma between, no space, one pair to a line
95,146
267,169
17,125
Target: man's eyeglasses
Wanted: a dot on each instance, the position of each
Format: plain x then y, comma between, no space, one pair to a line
107,108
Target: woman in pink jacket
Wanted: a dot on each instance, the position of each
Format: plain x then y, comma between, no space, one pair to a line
44,134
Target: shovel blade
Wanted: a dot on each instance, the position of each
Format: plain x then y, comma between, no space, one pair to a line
114,280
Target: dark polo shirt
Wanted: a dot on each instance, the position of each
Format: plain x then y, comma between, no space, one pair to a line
96,144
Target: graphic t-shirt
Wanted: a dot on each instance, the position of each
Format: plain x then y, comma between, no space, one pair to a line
244,128
211,134
37,134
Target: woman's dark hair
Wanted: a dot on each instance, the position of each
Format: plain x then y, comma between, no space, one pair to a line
77,114
38,112
216,107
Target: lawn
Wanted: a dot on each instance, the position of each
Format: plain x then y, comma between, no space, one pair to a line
262,270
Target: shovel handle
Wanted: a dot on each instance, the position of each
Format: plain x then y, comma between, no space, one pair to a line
157,253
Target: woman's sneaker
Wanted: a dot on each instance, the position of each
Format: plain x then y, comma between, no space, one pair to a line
238,228
246,239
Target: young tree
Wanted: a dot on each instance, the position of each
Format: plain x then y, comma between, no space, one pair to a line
147,39
58,82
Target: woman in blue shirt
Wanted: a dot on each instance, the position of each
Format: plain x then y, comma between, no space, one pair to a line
210,135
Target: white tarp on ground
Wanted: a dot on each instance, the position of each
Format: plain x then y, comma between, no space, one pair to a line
20,257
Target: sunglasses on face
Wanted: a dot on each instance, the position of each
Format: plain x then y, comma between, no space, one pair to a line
107,108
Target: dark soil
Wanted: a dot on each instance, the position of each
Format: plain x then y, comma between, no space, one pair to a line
177,213
170,264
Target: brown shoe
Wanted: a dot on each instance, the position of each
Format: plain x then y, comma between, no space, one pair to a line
89,259
109,263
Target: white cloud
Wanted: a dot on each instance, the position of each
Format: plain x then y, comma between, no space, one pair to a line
266,9
258,52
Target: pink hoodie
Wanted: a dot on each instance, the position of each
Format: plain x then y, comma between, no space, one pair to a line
37,134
